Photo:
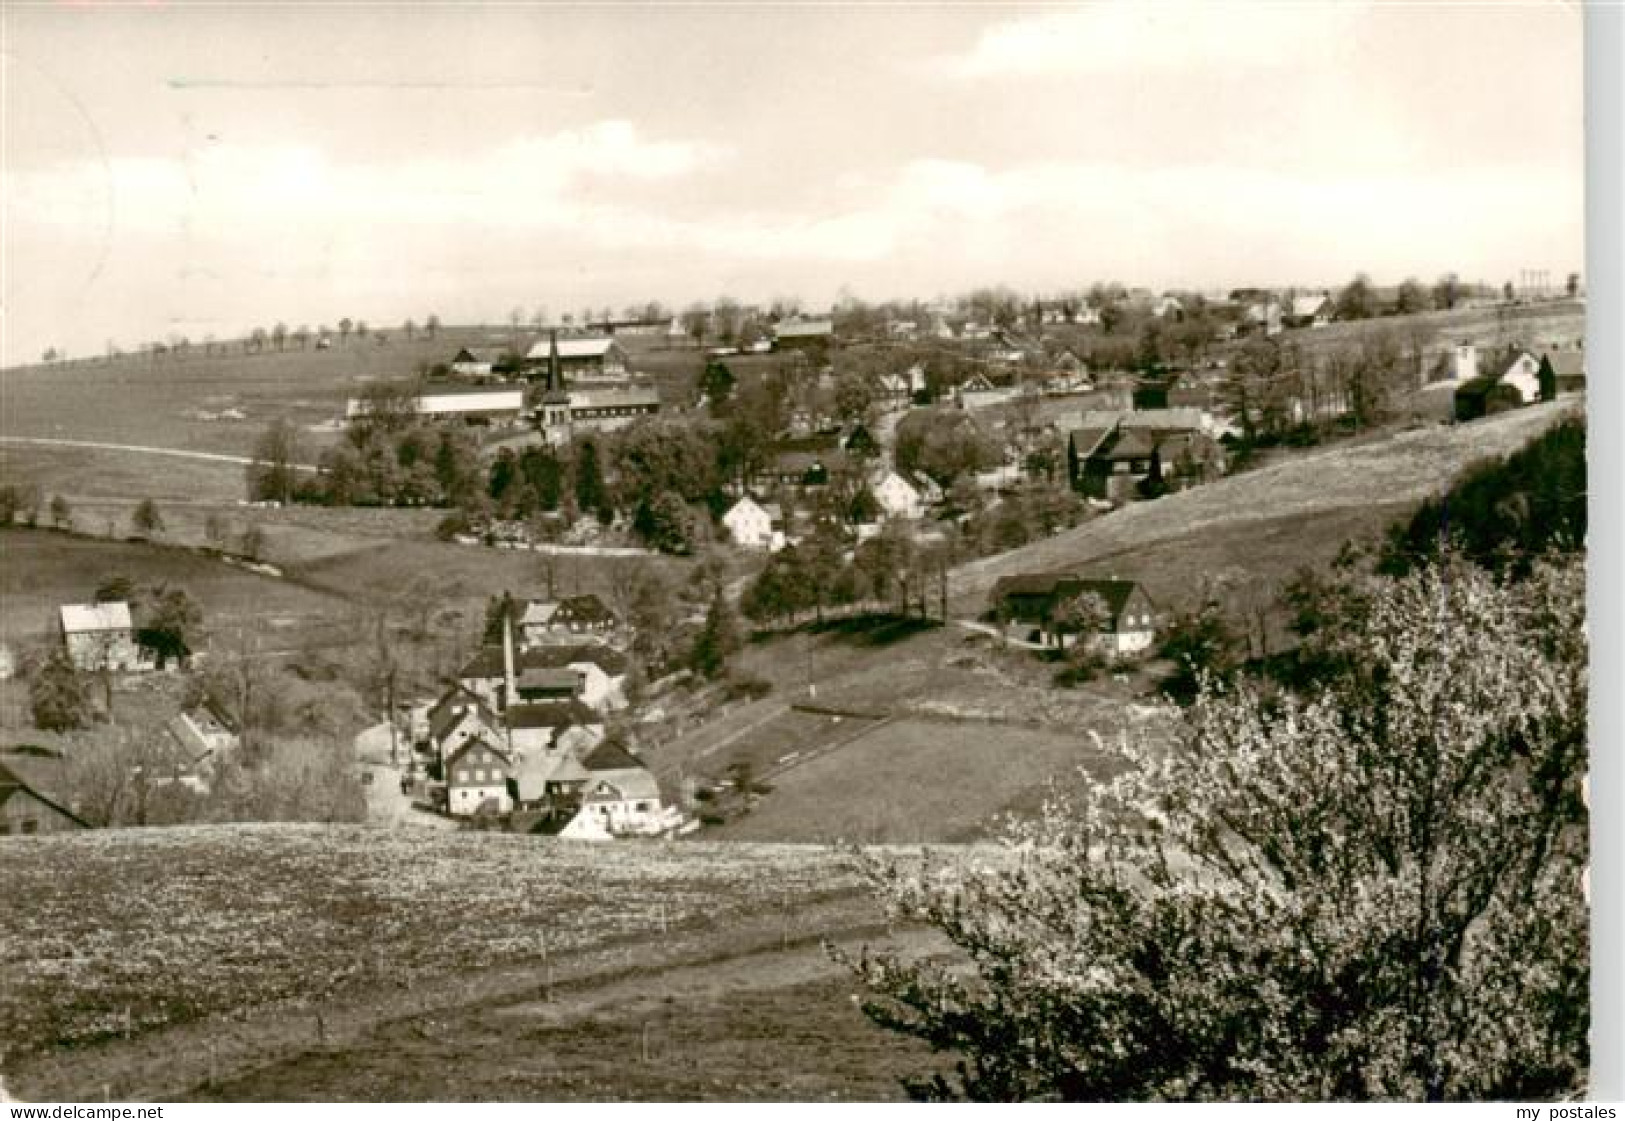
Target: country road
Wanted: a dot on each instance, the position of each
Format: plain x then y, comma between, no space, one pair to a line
176,453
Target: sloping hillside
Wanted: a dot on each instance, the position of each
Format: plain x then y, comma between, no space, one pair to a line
1300,509
221,402
152,962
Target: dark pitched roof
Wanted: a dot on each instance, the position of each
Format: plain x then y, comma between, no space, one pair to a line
450,708
1086,440
542,677
471,744
1058,585
606,658
586,608
551,714
12,785
611,756
1128,445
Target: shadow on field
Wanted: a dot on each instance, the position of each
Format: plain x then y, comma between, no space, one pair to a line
874,629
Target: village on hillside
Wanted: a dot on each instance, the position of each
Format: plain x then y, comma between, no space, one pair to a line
839,553
818,464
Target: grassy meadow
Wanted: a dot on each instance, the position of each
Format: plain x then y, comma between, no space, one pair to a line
340,962
181,923
43,569
1298,509
914,781
177,402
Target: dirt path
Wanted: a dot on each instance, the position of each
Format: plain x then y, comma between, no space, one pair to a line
178,453
265,1052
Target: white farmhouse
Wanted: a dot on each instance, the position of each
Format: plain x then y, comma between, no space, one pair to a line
101,636
1523,374
755,525
898,497
619,798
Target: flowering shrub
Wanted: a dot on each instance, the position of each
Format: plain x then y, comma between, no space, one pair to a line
1369,890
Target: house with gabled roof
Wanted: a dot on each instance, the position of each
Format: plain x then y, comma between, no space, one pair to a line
580,360
480,361
24,809
461,715
1118,455
756,525
1313,310
566,620
1522,373
205,734
101,636
898,497
900,389
477,779
599,669
541,725
1032,605
620,797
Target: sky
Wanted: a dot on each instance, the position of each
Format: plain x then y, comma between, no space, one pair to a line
200,170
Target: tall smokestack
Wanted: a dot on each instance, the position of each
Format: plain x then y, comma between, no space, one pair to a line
510,687
555,379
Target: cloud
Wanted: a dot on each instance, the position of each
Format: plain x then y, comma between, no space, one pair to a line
224,190
1142,37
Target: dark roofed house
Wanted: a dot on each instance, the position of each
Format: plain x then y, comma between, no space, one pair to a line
554,714
1031,602
1124,455
481,361
538,683
23,809
582,614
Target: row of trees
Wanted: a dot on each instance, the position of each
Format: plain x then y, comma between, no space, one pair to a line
25,503
278,337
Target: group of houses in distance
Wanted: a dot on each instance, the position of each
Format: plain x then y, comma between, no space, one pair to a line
522,736
559,385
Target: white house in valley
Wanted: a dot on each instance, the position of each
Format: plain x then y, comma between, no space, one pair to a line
620,797
101,636
755,525
898,497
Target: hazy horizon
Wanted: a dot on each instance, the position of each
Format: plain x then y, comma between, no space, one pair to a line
203,170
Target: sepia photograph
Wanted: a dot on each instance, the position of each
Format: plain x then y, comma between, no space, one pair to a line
868,552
